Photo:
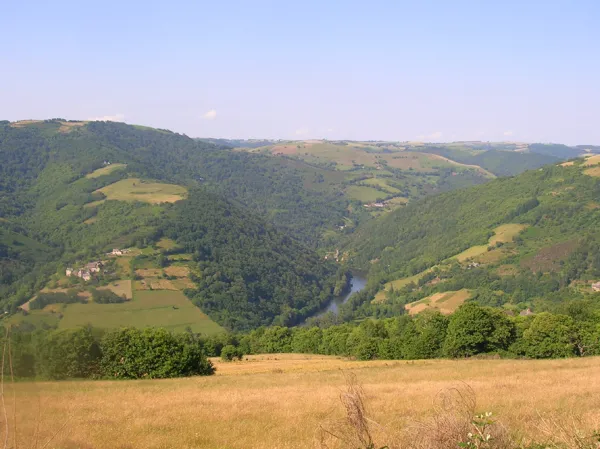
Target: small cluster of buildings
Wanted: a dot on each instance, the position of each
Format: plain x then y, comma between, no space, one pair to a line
86,271
369,205
117,252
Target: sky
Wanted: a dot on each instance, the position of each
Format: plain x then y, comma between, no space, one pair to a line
441,70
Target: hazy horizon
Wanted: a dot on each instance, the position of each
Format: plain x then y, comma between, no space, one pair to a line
394,71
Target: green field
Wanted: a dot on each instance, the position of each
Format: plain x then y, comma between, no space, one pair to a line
381,182
105,170
364,194
134,189
156,308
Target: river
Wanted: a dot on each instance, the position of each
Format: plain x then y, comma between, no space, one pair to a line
356,284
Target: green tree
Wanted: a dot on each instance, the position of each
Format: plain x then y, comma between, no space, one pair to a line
473,329
550,336
152,353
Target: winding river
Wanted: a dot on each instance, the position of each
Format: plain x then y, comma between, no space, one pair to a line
357,283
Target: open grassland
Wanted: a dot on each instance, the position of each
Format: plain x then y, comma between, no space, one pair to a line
445,302
157,308
594,171
592,160
282,401
364,193
106,170
134,189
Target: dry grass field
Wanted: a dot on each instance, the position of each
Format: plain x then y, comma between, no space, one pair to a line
282,401
444,302
105,170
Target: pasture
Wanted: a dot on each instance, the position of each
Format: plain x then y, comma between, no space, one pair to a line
364,193
286,400
134,189
156,308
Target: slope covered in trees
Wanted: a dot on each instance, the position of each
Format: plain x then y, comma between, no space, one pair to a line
448,243
69,195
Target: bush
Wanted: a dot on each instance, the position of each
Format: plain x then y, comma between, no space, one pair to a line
67,354
152,353
230,352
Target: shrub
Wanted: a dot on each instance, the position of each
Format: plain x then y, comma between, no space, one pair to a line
152,353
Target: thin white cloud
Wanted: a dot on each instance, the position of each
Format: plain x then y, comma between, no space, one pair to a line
210,115
109,118
508,133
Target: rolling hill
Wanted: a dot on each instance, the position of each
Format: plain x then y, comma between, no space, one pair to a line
532,240
72,191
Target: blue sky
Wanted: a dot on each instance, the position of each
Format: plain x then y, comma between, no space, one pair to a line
394,70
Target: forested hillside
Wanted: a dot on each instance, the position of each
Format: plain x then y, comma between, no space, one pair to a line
522,241
70,191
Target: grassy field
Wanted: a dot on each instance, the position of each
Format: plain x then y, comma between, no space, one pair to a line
158,308
283,401
445,302
134,189
364,193
106,170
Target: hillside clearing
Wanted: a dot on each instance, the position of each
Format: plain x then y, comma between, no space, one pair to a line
159,308
445,302
592,160
106,170
281,400
594,171
134,189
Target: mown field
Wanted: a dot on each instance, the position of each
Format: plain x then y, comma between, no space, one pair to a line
285,401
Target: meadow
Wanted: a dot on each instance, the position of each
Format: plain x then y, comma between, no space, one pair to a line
134,189
291,401
156,308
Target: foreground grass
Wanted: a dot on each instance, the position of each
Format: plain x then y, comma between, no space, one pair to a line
280,401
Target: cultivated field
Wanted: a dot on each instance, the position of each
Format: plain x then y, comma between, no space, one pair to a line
284,401
134,189
445,302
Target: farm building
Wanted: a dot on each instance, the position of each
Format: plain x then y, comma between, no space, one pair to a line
596,287
526,312
69,272
94,267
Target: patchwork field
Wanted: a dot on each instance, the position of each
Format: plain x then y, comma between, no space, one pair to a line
120,288
285,401
106,170
445,302
158,308
134,189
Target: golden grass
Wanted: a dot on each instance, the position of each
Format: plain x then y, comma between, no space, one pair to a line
507,232
162,284
177,271
592,160
120,288
594,171
280,401
67,127
91,220
134,189
149,272
471,252
106,170
22,123
398,284
445,302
